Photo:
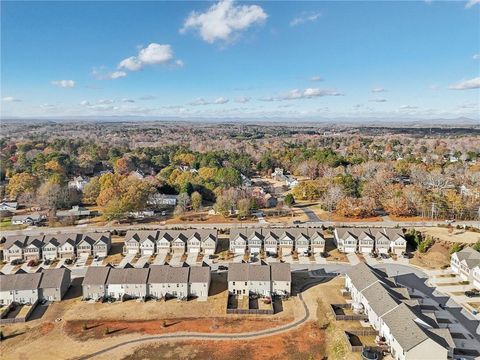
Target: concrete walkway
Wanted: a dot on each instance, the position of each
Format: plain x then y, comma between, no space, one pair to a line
353,259
218,336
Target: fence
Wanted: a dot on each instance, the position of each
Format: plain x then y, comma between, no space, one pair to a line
336,307
250,311
16,319
363,332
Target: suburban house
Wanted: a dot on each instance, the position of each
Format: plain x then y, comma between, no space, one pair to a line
19,288
85,246
127,283
76,211
33,248
78,183
54,283
290,181
238,240
67,245
199,282
8,206
464,261
245,279
32,219
162,200
102,242
165,281
94,283
286,241
179,242
345,239
281,276
317,242
164,242
13,247
134,238
397,318
270,243
382,242
194,243
254,242
398,243
476,277
302,244
148,240
209,243
28,288
366,242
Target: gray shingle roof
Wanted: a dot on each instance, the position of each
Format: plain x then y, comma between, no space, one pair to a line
128,276
248,272
237,272
281,272
20,281
165,274
96,275
18,240
52,278
199,274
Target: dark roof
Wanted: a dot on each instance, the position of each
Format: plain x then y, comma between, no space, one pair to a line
52,278
199,274
281,272
20,281
96,275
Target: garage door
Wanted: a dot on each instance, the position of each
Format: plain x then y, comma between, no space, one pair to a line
239,250
254,250
271,249
209,251
194,250
147,252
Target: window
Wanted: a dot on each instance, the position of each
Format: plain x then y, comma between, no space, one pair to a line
233,282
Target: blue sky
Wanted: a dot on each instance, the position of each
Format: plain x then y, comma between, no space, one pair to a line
226,59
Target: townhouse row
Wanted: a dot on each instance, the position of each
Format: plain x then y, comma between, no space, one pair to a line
165,241
365,240
28,288
157,281
466,264
58,246
399,320
245,279
277,240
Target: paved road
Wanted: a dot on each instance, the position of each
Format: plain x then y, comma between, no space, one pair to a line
109,227
218,336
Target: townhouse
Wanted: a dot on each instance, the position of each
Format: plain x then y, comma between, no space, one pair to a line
476,277
94,284
397,318
165,241
464,262
261,279
157,281
96,244
277,240
13,247
32,249
365,240
28,288
127,283
60,246
167,281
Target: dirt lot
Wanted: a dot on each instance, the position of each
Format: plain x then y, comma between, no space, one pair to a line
459,236
307,342
436,257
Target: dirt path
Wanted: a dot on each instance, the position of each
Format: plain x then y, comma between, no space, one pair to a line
217,336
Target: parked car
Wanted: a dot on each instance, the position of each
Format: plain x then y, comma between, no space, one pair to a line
32,263
384,256
17,262
47,262
68,261
472,293
449,221
222,267
405,255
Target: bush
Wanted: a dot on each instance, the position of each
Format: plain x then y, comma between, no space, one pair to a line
476,246
84,326
107,331
426,244
456,248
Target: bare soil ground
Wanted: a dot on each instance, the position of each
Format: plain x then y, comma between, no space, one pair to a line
457,236
436,257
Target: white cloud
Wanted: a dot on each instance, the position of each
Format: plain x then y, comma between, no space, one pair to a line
308,94
220,100
316,78
378,100
470,3
199,101
476,57
64,83
153,54
10,99
125,100
105,101
466,84
378,89
117,74
242,99
224,20
85,103
266,98
305,17
408,107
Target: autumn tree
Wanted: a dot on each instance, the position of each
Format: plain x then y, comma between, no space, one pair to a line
21,183
196,199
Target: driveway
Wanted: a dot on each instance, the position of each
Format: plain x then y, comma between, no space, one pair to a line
353,259
160,258
142,261
98,261
61,263
237,258
81,260
128,259
191,258
7,268
176,259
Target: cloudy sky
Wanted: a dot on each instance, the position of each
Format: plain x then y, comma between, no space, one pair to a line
241,59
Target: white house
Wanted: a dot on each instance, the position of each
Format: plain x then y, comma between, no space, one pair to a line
238,241
8,206
13,247
464,261
255,242
127,283
281,277
345,239
317,242
165,280
199,282
476,277
78,183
